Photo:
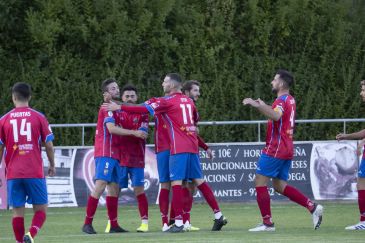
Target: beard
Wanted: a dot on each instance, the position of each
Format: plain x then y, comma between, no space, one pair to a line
274,90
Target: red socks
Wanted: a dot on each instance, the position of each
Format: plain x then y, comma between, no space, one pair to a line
172,211
296,196
112,207
209,196
361,202
18,228
163,202
177,203
143,205
188,203
92,204
37,222
263,200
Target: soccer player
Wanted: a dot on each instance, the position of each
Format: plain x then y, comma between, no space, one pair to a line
361,172
191,89
107,168
184,163
276,157
162,149
23,131
132,158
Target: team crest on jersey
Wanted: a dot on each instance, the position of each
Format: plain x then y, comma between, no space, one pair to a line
135,120
154,105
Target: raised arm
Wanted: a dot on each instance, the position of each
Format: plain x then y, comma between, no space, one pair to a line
351,136
111,106
263,108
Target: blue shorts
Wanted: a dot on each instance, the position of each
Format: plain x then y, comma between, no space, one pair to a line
185,166
107,169
136,175
361,172
163,166
30,190
273,167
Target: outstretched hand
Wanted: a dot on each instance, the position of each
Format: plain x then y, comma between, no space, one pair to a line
250,101
340,136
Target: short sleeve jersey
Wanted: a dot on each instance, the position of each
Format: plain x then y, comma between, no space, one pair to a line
132,149
22,132
279,135
161,136
106,144
181,117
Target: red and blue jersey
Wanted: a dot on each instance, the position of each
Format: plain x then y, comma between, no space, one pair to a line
22,132
279,135
106,144
161,136
132,149
181,117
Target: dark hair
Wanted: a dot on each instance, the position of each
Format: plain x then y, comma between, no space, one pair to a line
175,77
362,82
188,85
22,91
128,87
286,76
106,82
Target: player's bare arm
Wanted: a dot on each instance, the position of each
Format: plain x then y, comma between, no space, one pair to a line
351,136
50,156
263,108
125,132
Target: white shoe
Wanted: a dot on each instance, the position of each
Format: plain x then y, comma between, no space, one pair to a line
165,227
317,216
263,227
358,226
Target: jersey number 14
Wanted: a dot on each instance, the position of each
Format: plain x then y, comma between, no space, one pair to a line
25,129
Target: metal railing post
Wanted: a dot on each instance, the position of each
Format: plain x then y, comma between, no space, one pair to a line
259,132
83,136
344,127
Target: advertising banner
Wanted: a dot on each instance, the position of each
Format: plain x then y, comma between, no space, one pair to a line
321,170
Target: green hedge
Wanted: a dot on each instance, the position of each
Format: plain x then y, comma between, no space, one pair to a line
65,48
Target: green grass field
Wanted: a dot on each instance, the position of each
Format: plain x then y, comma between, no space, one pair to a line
293,224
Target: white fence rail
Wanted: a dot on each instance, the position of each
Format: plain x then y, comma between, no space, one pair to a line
219,123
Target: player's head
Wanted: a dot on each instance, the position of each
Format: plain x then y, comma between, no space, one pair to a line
171,83
129,94
21,93
283,80
191,88
111,86
362,93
